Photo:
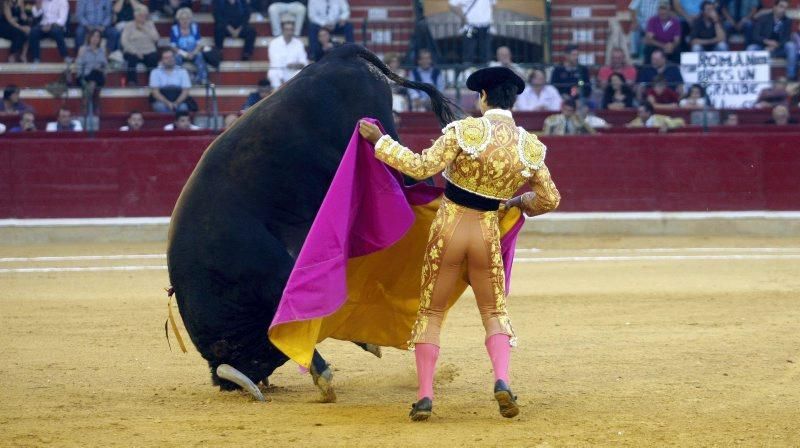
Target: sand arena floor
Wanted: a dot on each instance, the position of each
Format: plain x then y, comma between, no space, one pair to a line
623,342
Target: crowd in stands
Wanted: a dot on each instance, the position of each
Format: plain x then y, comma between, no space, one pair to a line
125,30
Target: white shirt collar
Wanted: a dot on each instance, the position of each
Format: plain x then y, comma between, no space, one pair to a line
503,112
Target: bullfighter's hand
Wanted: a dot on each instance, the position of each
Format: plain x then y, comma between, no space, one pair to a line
369,131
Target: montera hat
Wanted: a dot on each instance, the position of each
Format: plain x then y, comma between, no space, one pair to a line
486,78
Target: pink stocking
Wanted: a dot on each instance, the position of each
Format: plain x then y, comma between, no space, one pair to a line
500,353
426,355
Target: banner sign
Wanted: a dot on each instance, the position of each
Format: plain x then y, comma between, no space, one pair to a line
732,79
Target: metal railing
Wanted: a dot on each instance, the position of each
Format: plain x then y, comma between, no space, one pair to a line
527,40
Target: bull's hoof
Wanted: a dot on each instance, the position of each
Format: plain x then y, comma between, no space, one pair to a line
374,349
324,382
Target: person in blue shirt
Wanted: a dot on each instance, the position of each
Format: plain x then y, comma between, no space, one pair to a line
264,89
185,38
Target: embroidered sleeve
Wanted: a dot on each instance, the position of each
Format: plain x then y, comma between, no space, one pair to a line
544,197
418,166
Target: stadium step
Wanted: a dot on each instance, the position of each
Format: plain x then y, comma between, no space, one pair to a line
230,73
124,100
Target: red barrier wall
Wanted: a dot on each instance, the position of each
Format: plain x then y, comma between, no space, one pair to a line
142,176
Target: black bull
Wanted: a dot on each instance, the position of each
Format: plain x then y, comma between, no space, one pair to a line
245,211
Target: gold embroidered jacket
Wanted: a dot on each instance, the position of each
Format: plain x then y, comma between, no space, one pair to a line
488,156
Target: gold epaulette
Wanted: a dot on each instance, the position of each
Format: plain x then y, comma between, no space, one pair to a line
473,134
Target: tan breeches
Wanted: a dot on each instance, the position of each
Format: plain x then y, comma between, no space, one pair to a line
459,236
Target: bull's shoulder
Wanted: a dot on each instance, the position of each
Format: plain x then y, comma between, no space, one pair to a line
473,134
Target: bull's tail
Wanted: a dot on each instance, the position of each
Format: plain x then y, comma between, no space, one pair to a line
446,111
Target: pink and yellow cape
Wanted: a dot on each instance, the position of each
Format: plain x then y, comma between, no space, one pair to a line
357,277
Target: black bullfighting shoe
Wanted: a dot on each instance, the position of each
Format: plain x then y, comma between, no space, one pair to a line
421,410
506,400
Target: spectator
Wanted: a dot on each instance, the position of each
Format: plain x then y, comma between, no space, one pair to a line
670,73
287,56
688,11
738,16
695,99
13,28
52,15
264,89
278,10
96,15
780,116
135,122
92,66
731,119
27,123
123,12
504,59
661,96
397,120
774,96
64,122
707,31
139,40
230,119
772,32
2,129
11,101
595,122
618,64
571,79
567,122
647,118
477,17
232,18
425,72
169,85
325,44
618,94
641,12
330,14
183,122
168,7
538,95
185,39
663,33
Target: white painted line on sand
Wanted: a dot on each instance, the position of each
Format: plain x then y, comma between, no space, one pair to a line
729,257
674,250
85,257
658,258
83,269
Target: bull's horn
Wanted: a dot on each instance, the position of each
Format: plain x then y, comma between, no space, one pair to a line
229,373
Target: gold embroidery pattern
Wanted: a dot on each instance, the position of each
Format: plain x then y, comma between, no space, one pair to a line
503,166
544,197
491,236
442,229
473,134
418,166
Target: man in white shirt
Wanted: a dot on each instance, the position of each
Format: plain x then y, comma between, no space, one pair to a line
53,21
286,56
64,122
477,17
504,59
330,14
169,85
280,8
538,95
183,122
